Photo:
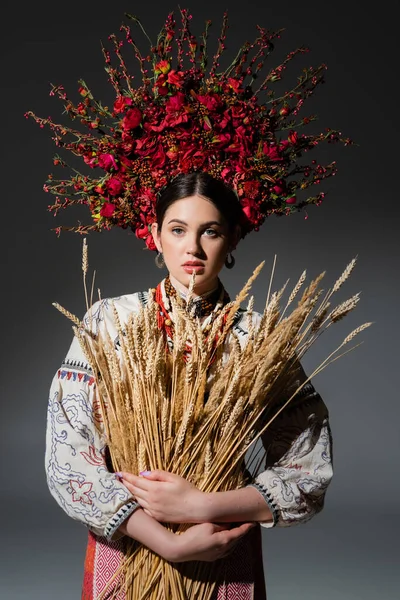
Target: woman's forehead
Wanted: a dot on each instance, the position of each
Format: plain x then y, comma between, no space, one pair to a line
194,209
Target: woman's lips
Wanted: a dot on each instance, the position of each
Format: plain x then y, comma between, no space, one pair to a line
191,268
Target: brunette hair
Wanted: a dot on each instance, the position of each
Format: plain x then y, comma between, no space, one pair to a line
203,184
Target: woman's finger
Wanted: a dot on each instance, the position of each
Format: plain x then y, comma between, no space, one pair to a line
137,492
140,482
237,532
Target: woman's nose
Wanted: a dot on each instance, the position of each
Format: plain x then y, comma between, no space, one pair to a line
194,245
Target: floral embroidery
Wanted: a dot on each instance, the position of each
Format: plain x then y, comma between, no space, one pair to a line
80,491
93,457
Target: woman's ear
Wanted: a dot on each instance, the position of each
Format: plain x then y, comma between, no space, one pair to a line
156,236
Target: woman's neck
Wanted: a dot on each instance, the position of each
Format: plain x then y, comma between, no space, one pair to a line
183,290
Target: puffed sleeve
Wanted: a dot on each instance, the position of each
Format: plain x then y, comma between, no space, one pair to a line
298,466
75,457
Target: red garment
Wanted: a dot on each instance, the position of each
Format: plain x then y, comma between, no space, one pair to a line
242,571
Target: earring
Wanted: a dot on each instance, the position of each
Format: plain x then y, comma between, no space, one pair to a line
230,263
159,260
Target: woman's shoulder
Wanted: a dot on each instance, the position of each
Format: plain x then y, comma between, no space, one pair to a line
242,320
102,311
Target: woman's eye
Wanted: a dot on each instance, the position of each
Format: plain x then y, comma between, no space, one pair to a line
210,232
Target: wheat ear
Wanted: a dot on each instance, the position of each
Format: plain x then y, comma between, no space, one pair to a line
67,314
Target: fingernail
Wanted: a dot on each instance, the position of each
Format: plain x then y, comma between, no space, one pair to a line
144,472
118,475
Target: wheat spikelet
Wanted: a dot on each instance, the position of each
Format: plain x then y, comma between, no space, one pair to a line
164,417
142,458
242,295
85,262
297,287
208,458
249,313
310,291
345,275
236,348
216,325
318,319
126,354
67,314
355,332
230,424
184,427
83,342
268,320
344,308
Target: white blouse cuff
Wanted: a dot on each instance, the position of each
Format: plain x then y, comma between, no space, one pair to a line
271,504
110,530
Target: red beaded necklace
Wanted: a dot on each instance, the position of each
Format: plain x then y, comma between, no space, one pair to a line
165,323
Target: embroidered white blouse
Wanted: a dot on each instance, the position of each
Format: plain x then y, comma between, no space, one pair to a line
298,465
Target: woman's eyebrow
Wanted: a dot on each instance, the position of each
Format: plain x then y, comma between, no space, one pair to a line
201,225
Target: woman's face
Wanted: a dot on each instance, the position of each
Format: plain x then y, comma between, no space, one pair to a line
193,231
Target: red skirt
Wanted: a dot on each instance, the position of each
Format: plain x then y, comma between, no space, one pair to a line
242,571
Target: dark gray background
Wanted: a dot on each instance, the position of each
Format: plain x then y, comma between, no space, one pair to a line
350,550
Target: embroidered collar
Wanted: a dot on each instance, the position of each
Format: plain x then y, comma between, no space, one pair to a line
204,305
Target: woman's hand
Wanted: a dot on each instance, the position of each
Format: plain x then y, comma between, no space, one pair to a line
165,496
207,542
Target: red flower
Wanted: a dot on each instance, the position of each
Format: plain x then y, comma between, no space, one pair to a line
158,157
251,189
142,231
125,164
161,85
150,242
173,152
235,84
210,101
132,119
238,114
176,110
147,201
81,109
107,210
162,67
291,200
285,110
175,78
121,103
193,158
221,139
278,188
249,208
293,137
114,186
93,124
175,103
271,151
107,161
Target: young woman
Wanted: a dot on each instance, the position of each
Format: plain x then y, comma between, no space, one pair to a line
197,228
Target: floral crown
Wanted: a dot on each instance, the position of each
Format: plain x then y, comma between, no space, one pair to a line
182,119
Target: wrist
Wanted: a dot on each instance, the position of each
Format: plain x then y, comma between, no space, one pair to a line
149,532
174,547
199,510
171,547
